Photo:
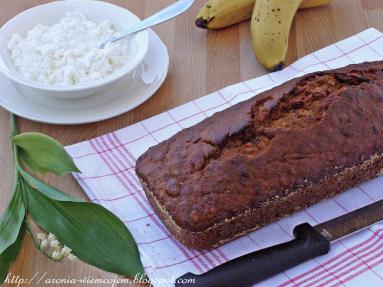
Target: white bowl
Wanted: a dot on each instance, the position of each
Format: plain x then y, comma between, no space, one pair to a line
51,13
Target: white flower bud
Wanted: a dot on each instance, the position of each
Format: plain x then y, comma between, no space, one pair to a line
41,236
72,257
44,244
56,255
55,244
51,236
65,251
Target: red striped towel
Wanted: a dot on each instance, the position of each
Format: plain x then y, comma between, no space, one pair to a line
108,178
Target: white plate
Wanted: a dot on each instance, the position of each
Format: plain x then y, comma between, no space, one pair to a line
125,95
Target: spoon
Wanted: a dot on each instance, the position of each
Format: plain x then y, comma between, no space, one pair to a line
164,15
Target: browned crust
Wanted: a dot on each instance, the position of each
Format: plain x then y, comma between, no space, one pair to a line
182,213
272,210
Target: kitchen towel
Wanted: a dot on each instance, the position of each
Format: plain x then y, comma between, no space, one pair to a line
108,178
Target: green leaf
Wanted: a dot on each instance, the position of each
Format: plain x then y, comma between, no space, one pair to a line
9,255
28,160
95,235
44,154
11,220
46,189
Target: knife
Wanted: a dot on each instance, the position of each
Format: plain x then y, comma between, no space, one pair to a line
308,243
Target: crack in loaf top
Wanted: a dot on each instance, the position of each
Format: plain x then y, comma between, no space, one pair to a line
261,149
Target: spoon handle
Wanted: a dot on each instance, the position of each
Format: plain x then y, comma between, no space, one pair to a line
164,15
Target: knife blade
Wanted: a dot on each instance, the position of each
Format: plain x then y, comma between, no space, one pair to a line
308,243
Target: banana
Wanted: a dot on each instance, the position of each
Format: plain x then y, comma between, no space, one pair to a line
216,14
270,28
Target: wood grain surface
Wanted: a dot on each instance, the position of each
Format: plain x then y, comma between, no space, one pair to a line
200,62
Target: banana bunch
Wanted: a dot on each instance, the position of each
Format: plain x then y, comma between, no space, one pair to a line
270,23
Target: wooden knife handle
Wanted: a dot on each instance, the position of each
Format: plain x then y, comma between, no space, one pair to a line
260,265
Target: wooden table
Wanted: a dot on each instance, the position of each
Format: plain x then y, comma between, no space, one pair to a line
200,62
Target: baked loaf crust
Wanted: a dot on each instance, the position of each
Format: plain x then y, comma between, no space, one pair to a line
269,156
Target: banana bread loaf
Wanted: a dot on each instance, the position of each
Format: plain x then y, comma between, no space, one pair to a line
288,148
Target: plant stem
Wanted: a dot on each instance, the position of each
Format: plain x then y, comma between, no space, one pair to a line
14,130
17,180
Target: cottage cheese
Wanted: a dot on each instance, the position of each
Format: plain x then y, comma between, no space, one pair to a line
68,52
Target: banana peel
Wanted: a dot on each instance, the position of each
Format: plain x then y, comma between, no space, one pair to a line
216,14
270,28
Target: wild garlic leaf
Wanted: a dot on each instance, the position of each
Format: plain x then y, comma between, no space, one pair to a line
9,255
44,152
11,220
95,235
28,160
46,189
